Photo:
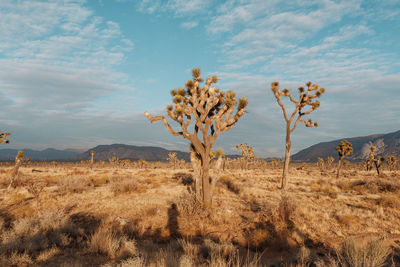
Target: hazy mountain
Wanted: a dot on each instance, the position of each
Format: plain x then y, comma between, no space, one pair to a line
47,154
386,144
149,153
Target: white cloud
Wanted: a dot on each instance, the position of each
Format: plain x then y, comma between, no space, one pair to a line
180,8
57,60
189,24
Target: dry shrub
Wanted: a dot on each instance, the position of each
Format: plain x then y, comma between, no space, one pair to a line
75,184
230,184
127,186
347,220
32,235
99,180
19,259
190,250
107,242
189,206
390,200
259,238
45,255
136,261
373,253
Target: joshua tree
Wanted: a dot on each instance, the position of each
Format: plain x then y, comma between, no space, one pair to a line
391,162
321,164
329,160
173,160
247,154
344,149
306,100
92,153
213,113
19,159
372,158
4,137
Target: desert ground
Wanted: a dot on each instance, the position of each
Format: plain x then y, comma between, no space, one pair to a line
71,214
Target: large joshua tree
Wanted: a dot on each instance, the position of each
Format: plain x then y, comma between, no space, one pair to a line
213,112
303,106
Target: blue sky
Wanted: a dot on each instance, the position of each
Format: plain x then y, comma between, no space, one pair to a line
76,74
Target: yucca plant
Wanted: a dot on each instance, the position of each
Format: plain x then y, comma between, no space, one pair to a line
329,160
92,153
376,160
172,159
344,149
392,162
247,154
306,100
19,160
321,164
213,112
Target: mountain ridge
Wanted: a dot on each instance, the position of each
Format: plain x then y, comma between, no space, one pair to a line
386,144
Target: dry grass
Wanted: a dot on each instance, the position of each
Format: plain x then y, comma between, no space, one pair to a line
141,217
373,253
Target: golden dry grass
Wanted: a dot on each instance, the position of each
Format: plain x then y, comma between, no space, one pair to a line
68,215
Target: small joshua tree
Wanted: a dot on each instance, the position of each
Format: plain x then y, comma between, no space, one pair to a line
247,154
19,160
172,159
321,164
4,137
344,149
376,160
92,153
306,100
329,160
391,162
213,112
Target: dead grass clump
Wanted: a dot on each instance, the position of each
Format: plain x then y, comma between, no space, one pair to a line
19,259
347,220
75,184
99,180
126,186
230,184
107,242
373,253
389,200
47,254
37,234
189,206
259,238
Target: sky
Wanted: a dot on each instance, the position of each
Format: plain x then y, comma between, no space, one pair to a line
76,74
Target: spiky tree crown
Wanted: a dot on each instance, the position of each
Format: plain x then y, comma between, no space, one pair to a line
344,149
329,160
4,137
211,108
306,100
20,155
391,160
247,151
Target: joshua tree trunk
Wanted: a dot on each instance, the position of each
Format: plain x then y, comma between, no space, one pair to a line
377,167
18,163
205,179
287,159
338,168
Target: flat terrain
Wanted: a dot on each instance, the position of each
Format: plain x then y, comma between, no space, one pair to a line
67,214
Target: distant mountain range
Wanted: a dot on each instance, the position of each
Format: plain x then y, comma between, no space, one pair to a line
148,153
386,144
47,154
